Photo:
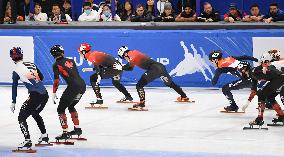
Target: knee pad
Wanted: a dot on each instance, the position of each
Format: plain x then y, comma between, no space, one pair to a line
62,106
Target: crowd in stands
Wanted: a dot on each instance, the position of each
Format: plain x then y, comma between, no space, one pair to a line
162,11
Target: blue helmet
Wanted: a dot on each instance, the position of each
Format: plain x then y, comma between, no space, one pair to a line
16,53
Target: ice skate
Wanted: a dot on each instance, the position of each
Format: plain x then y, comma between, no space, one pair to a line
276,121
231,109
184,99
97,105
126,100
138,107
257,122
43,141
64,136
25,147
76,132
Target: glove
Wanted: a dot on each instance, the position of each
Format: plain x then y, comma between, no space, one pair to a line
87,69
54,97
117,66
245,106
12,107
231,19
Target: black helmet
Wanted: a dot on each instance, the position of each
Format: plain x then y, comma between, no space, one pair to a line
56,51
216,54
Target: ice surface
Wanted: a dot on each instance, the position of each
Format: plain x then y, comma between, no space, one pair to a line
168,129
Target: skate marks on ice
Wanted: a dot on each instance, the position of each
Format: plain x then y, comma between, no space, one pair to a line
85,152
192,63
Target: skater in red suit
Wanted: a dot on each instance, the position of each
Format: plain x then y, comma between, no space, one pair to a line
76,87
153,69
104,70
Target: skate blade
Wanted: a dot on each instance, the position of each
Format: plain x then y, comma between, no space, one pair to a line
137,109
249,128
126,102
63,143
189,101
43,145
96,107
232,112
275,124
79,139
24,151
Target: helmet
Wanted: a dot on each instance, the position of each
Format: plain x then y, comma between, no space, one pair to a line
275,54
84,48
244,65
16,53
57,50
266,57
121,51
216,54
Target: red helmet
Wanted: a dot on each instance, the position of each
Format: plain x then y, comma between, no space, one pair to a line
84,48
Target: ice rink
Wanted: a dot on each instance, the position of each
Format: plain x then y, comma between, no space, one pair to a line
168,129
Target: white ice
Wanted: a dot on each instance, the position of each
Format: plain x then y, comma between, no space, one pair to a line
168,129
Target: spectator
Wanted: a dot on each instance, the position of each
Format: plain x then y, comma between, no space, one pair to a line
3,11
254,16
167,15
150,7
141,15
67,7
182,3
188,15
106,15
274,14
89,14
127,12
47,5
57,15
38,15
161,5
93,5
234,14
8,14
209,14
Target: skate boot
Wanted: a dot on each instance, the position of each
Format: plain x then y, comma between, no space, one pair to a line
99,102
279,119
126,99
76,131
181,99
44,139
258,121
139,105
231,108
64,136
26,145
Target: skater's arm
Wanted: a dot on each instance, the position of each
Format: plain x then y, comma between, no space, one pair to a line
218,72
127,67
56,78
40,75
245,57
14,86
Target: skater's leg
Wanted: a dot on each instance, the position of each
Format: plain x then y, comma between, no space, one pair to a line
36,114
116,83
72,110
95,83
140,87
65,101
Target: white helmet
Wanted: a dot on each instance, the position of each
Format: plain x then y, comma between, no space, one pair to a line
265,57
121,51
